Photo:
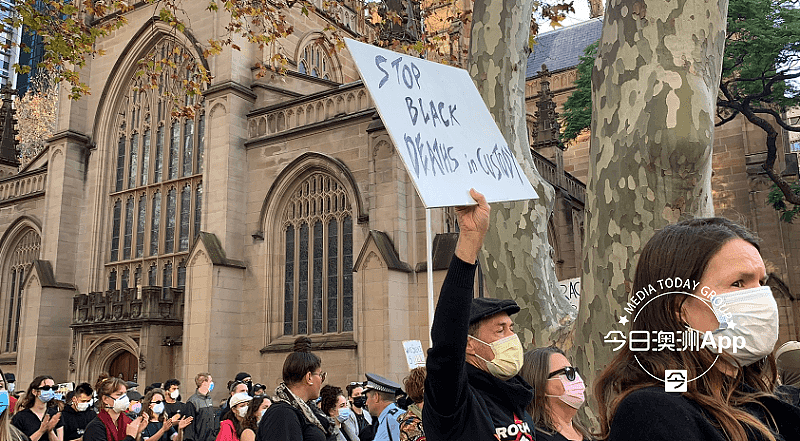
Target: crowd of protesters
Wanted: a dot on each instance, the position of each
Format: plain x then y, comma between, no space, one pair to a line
477,383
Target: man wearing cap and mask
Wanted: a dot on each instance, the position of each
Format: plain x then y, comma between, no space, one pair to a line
381,394
472,390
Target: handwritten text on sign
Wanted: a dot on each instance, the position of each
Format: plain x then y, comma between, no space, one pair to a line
442,129
571,289
414,355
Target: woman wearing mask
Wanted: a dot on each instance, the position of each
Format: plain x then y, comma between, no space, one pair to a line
38,417
355,392
255,411
159,427
8,432
558,393
290,418
232,426
335,405
411,421
111,424
729,393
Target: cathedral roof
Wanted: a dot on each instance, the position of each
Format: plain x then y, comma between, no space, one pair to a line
563,47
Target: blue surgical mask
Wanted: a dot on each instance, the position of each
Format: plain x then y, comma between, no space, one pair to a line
59,396
211,386
158,409
3,401
344,414
46,395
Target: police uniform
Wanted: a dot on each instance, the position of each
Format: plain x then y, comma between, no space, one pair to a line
388,428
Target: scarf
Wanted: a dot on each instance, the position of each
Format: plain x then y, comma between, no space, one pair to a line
114,433
282,393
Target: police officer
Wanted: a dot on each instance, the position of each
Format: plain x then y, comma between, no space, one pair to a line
381,394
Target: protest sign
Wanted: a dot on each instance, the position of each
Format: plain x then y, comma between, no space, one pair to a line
571,289
441,128
414,354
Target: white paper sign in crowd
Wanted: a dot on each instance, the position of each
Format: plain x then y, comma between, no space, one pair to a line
415,357
571,289
441,127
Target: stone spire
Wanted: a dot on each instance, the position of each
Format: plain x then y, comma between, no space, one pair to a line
547,130
8,136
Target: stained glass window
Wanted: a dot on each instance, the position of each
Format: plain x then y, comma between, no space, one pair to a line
169,231
151,145
115,230
126,249
318,251
24,250
186,209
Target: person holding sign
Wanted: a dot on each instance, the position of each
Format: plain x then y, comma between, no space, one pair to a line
472,390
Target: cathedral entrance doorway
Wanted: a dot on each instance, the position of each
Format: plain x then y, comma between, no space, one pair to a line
124,366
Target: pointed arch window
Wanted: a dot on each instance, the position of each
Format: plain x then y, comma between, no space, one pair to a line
317,234
155,194
23,252
315,61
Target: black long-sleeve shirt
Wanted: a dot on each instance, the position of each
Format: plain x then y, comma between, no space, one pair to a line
463,402
655,415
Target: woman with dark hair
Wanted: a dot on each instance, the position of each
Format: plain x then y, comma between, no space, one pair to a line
8,432
252,417
290,418
558,393
111,423
159,427
334,404
411,421
729,394
38,417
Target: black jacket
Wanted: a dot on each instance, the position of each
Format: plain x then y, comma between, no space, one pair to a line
282,422
96,431
75,422
655,415
463,402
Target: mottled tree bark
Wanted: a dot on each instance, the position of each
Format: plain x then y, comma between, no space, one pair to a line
654,89
516,256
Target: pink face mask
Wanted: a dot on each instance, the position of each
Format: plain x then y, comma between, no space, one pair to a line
573,391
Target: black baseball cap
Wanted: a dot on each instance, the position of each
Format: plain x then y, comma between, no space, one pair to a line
483,307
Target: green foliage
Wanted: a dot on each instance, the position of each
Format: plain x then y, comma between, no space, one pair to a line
776,199
577,112
762,50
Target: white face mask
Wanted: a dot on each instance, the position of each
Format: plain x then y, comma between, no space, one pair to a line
175,394
121,404
242,411
753,315
507,357
82,406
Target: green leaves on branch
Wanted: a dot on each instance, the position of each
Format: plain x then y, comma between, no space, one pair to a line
577,113
778,202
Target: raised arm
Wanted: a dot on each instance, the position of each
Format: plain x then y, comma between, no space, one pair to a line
446,382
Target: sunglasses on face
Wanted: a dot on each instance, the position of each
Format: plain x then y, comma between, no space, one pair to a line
569,371
157,402
47,388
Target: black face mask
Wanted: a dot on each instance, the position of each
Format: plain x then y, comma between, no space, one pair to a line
360,402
